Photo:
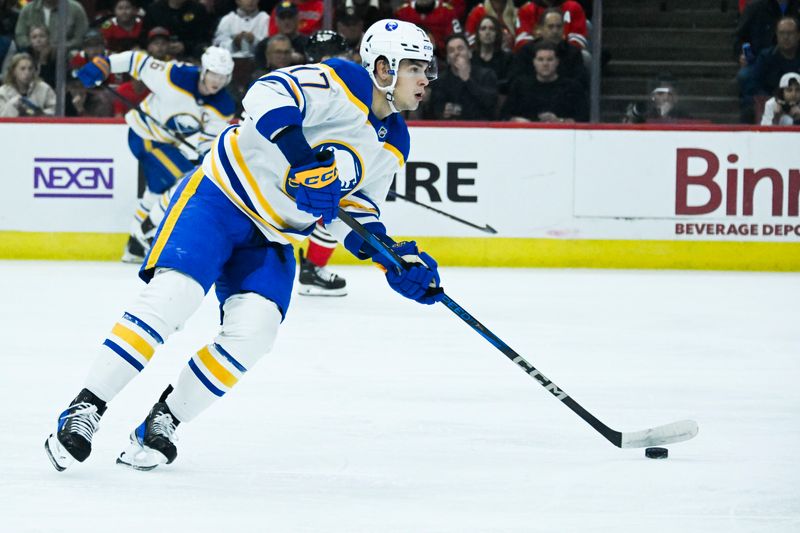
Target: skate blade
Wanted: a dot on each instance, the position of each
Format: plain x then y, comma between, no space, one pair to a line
141,458
313,290
58,455
128,257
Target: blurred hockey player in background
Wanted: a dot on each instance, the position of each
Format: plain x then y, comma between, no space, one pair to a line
314,279
186,102
316,138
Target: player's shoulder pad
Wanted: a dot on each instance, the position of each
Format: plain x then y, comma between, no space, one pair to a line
397,134
185,77
355,78
222,102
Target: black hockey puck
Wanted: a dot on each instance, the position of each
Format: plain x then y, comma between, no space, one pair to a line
656,453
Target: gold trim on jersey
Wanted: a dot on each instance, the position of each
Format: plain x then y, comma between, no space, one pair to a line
216,176
172,218
163,158
350,96
397,153
177,88
344,203
237,154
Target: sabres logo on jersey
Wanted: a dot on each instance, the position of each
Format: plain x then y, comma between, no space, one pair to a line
184,123
348,162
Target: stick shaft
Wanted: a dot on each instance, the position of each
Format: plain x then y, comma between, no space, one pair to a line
485,228
615,437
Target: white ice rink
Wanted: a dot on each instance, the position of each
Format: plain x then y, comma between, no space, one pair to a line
374,414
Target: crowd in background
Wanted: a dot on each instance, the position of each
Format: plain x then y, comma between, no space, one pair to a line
499,59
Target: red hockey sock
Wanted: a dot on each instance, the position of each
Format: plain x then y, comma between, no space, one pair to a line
319,255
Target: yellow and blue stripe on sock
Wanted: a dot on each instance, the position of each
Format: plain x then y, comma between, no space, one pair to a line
133,340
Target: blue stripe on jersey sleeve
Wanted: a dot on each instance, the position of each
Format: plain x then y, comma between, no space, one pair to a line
355,77
277,119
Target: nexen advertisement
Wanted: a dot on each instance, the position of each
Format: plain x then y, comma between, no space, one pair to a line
67,178
526,183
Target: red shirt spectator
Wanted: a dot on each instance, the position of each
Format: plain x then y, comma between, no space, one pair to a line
502,10
434,15
134,91
308,12
529,14
124,30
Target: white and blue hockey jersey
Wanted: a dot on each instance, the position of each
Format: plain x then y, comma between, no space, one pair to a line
331,101
174,101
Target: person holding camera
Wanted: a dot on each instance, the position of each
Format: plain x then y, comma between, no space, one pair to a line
783,109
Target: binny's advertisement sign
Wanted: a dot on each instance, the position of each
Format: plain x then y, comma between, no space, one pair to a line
692,185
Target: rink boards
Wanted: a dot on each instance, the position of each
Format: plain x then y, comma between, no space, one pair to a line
674,197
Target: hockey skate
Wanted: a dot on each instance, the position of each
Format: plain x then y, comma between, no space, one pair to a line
76,426
153,442
319,281
135,250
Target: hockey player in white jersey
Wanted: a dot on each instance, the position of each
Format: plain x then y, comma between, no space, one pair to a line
317,138
186,101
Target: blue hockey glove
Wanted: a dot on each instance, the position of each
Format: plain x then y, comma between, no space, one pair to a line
318,187
420,281
94,72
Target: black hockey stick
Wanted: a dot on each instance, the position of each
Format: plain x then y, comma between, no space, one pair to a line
178,135
486,228
666,434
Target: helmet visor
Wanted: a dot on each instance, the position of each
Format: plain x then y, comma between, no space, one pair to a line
420,67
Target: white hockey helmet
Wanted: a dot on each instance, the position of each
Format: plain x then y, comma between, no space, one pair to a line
396,40
217,60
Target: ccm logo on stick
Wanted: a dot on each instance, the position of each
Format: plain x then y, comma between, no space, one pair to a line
73,178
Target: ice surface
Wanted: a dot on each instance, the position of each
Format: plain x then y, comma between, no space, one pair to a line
374,414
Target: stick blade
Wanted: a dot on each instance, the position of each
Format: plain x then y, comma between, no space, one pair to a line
666,434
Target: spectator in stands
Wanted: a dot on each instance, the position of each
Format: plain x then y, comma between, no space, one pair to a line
23,94
570,60
123,31
777,60
240,30
367,11
546,97
43,13
574,19
350,26
158,43
309,15
90,102
503,11
188,22
664,102
464,91
783,109
758,23
287,18
434,15
488,51
277,54
8,21
44,55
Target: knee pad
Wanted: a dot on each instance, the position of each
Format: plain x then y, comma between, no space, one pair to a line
168,301
249,327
